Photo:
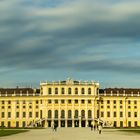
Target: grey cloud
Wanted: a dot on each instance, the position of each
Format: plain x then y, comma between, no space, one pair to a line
32,38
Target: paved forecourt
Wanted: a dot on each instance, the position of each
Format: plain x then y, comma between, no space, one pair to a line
72,134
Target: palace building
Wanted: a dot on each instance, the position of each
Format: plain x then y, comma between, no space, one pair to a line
69,103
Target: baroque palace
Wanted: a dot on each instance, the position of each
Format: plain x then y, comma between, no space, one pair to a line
69,103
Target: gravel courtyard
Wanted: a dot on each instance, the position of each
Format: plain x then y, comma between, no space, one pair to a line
73,133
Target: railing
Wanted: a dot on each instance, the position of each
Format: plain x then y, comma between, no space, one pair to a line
19,94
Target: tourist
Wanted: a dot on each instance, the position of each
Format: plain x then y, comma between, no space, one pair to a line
100,129
91,126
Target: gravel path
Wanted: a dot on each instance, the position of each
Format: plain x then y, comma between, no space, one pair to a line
73,134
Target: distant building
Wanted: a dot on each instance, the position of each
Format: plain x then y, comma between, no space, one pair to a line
69,103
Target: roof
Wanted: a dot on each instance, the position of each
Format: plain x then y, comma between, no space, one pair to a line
17,90
120,90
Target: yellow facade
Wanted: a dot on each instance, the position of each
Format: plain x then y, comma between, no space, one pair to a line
70,104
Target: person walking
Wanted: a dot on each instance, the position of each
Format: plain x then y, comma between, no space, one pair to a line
91,126
100,129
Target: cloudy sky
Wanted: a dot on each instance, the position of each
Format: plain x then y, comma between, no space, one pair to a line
83,39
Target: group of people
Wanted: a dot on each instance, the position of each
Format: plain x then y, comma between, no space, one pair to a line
96,127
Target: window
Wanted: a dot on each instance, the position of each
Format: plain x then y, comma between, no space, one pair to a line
83,91
24,114
30,114
49,91
69,101
89,101
129,106
36,106
108,106
36,101
17,106
121,114
135,114
56,113
136,123
69,90
3,102
49,101
62,91
76,101
2,107
120,101
56,90
2,114
120,106
129,102
24,106
23,124
135,107
56,101
129,114
76,114
82,101
62,101
102,102
89,90
30,106
9,124
83,113
135,102
108,101
9,114
17,124
89,114
129,123
36,114
9,102
108,114
114,106
69,114
62,114
49,113
102,114
102,106
76,90
17,114
2,124
114,101
115,114
121,123
9,106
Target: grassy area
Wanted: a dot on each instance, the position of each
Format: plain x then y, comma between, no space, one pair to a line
136,131
6,132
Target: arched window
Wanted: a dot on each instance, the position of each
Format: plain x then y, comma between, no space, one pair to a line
89,114
56,113
76,90
76,114
56,90
49,91
69,90
89,90
62,114
62,91
49,113
83,113
83,91
69,114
